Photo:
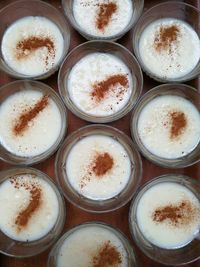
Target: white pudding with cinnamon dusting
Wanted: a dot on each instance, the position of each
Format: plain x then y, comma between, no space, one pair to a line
169,126
32,45
102,18
28,207
100,84
92,246
169,48
30,123
98,167
168,215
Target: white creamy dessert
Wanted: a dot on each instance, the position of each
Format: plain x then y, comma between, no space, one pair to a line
30,123
90,246
168,215
169,126
102,18
169,48
28,207
32,45
100,84
98,167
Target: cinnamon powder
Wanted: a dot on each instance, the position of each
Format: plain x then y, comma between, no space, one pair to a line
183,213
26,46
178,124
34,204
107,256
29,115
165,37
24,216
101,89
102,164
104,14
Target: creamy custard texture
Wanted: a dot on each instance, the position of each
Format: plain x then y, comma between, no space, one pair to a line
169,48
168,215
100,84
98,167
101,17
30,123
28,207
92,246
32,45
169,126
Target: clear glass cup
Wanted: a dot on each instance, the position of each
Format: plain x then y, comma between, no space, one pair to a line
21,249
21,85
68,9
181,90
183,255
91,205
170,9
23,8
103,47
53,256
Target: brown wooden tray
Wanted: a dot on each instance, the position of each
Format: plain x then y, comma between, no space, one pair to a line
76,216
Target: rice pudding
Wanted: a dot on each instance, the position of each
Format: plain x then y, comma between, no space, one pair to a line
92,246
102,18
28,206
32,46
100,84
169,126
169,48
31,123
168,215
98,167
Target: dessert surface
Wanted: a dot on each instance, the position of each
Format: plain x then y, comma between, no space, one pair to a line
32,45
30,207
169,48
30,123
169,220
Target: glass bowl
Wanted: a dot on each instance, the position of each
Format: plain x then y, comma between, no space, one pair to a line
23,8
68,9
182,90
179,256
18,86
54,254
103,47
90,204
171,9
20,249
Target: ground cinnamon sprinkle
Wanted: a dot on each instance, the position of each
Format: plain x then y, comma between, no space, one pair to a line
102,164
30,44
24,215
107,256
179,214
178,123
165,37
104,15
28,115
100,89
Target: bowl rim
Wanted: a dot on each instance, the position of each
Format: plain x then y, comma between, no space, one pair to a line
60,177
94,37
63,112
66,42
134,47
159,161
139,193
92,118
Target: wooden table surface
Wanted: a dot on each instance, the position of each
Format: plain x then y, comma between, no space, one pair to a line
76,216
